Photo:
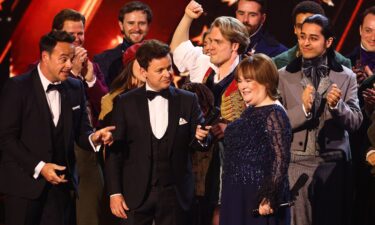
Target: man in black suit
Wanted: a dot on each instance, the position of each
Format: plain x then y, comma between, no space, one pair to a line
148,170
134,21
41,114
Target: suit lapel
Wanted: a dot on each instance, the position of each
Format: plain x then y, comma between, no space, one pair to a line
143,110
66,112
338,79
42,105
173,112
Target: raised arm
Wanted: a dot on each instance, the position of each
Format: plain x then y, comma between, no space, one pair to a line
192,11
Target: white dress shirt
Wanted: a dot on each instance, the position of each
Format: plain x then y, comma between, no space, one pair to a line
187,57
158,111
54,104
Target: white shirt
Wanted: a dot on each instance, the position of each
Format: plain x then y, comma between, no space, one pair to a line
53,97
54,104
187,57
158,111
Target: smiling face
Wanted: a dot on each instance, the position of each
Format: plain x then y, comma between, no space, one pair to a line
159,73
134,26
56,65
311,42
367,32
252,92
76,29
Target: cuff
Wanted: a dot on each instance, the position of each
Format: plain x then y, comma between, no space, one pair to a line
115,194
38,169
91,83
96,148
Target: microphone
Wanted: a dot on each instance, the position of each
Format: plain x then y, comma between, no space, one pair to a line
212,116
301,181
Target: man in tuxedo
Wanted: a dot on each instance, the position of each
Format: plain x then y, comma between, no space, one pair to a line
148,170
42,113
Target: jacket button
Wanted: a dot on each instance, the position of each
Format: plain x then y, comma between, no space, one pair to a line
300,143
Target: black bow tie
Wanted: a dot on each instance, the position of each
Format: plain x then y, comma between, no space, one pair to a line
57,87
152,94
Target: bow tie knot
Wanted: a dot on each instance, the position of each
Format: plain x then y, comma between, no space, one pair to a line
57,87
152,94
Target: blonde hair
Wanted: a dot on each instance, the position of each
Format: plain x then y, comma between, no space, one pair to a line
233,30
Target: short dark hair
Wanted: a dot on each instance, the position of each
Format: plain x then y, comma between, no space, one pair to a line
307,7
370,10
135,6
64,15
323,22
49,41
262,3
151,49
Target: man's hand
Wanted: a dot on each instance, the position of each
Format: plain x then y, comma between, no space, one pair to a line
362,73
193,10
308,97
89,75
333,96
265,208
80,56
118,206
201,134
218,130
49,173
103,136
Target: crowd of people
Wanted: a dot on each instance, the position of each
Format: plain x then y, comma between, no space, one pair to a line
114,141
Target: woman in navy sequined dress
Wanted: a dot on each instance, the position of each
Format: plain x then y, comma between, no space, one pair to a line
257,151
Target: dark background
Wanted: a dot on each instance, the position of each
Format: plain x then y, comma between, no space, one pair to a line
23,22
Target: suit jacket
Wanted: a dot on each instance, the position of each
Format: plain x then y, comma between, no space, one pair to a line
110,61
128,166
333,134
25,131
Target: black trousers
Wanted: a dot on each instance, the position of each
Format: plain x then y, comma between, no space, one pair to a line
54,207
161,206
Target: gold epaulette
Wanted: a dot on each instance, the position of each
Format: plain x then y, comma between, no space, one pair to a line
232,104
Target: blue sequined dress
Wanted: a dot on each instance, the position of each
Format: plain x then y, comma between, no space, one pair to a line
256,159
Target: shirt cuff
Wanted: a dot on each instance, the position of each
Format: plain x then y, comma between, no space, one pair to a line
38,169
97,148
91,83
115,194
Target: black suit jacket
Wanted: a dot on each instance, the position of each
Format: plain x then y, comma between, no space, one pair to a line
128,167
25,131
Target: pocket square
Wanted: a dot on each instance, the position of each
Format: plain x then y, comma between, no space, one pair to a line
182,121
76,107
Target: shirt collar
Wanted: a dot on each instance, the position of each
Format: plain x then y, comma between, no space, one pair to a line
45,81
